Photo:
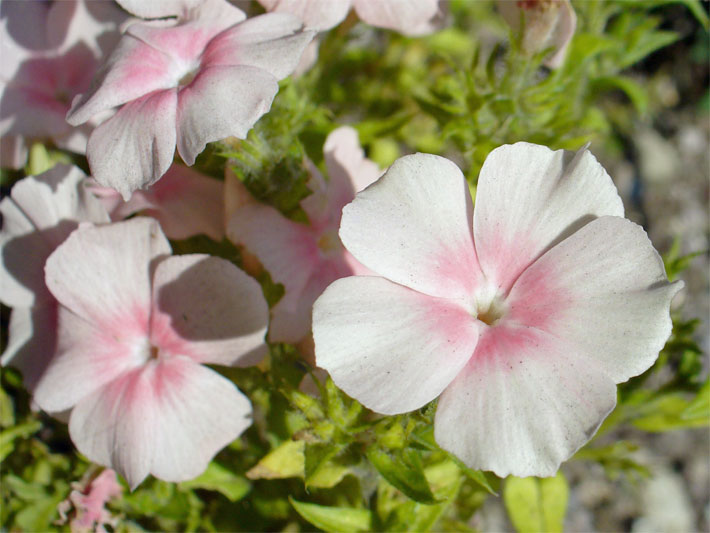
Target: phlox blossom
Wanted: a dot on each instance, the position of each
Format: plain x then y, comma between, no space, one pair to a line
521,315
208,76
305,258
410,17
185,202
38,215
50,51
87,502
135,326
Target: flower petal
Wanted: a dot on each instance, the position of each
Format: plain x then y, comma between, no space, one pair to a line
103,272
208,109
604,290
185,202
168,418
413,226
161,9
273,42
135,147
287,249
529,198
89,355
524,403
389,347
206,308
134,69
319,15
404,16
40,212
31,341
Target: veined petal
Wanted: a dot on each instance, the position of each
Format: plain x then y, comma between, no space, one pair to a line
273,42
168,418
413,226
134,69
89,355
207,309
404,16
185,202
389,347
135,147
209,110
524,403
40,212
319,15
604,291
287,249
159,9
31,341
102,272
529,198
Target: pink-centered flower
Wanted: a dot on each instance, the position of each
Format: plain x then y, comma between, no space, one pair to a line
38,215
521,315
410,17
207,77
306,258
185,202
135,328
49,52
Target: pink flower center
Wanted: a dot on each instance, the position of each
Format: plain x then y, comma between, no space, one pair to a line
187,78
329,243
489,306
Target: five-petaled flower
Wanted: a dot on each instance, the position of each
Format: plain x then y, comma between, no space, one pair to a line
135,326
209,76
522,314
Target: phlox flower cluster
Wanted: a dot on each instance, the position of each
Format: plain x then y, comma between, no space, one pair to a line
520,315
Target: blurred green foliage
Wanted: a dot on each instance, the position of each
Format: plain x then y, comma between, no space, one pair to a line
314,457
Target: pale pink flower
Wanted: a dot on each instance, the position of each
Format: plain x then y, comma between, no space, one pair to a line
208,77
87,504
38,215
546,24
410,17
49,54
522,314
305,258
185,202
135,327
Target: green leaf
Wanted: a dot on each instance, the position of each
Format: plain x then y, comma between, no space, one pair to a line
647,43
345,519
536,504
636,93
285,461
404,470
7,410
699,408
8,436
475,475
222,480
665,413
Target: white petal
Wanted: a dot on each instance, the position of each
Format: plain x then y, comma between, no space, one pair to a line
149,9
523,404
40,212
31,341
389,347
206,308
219,103
89,355
133,70
101,273
529,198
605,291
406,16
135,147
413,226
168,418
317,15
287,249
273,42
